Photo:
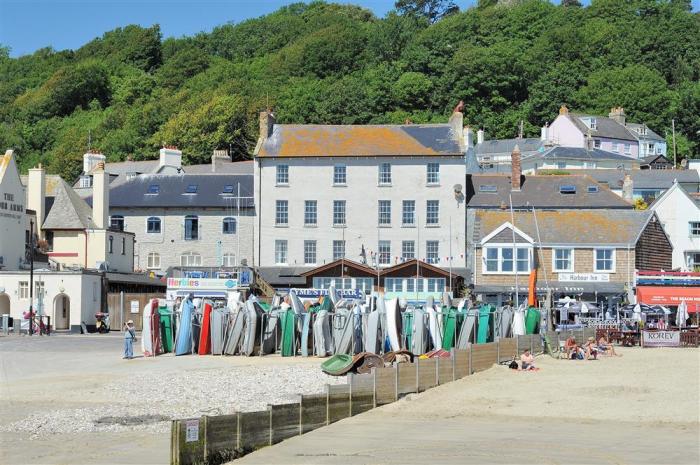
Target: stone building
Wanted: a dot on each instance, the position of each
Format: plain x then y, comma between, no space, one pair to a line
186,220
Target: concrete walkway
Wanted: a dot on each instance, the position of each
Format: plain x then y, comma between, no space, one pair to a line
642,408
374,439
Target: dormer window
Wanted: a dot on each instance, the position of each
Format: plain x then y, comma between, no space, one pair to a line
593,124
191,189
85,181
153,189
131,175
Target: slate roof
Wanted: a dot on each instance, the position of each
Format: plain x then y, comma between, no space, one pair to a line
650,135
580,153
605,127
655,158
541,191
506,146
310,140
210,191
68,210
280,276
569,227
644,179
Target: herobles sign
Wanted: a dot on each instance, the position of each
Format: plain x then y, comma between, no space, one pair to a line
661,338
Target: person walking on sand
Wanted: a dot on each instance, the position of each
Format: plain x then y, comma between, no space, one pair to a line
129,339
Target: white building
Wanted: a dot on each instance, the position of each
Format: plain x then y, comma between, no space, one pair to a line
68,297
378,194
679,214
12,214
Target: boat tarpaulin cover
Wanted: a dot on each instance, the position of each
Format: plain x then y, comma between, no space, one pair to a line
670,295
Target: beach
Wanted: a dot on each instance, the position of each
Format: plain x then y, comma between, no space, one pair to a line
643,407
72,399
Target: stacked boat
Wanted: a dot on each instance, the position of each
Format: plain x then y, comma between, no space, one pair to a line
347,330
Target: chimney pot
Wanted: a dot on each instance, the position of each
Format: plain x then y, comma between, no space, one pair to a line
563,110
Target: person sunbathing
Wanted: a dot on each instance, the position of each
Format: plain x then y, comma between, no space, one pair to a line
591,349
570,346
606,347
527,360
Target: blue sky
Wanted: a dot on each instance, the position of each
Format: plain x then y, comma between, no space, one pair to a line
27,25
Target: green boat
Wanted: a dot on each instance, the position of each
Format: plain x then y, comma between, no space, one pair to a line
532,320
337,365
482,335
407,327
264,306
287,323
166,329
449,327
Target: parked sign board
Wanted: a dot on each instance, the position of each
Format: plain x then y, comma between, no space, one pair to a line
661,338
584,277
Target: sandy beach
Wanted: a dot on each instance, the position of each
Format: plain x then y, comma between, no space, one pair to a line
643,407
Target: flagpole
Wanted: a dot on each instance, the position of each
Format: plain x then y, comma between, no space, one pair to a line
417,255
450,258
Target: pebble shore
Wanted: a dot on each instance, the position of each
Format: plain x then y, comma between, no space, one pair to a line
148,401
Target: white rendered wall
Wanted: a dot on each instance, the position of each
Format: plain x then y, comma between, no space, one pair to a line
675,211
312,179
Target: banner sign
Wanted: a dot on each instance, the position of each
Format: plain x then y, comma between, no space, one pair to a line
356,294
661,338
584,278
203,283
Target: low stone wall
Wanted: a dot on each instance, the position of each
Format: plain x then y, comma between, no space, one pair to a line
214,440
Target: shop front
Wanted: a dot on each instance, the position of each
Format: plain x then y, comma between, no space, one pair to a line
670,296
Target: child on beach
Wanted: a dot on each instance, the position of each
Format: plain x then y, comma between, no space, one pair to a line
129,338
591,349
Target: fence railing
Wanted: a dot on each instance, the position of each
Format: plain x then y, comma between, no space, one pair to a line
214,440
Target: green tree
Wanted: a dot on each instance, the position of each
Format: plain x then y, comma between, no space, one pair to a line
217,122
642,92
432,10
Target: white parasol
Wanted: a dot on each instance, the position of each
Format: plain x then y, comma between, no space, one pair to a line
682,314
519,322
637,313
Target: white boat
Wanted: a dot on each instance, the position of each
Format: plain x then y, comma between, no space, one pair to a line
393,319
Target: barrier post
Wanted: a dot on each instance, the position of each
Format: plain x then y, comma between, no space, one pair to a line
498,351
453,357
469,369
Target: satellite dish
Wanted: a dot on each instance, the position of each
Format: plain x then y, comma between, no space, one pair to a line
457,188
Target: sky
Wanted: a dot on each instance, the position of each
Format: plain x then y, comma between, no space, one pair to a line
28,25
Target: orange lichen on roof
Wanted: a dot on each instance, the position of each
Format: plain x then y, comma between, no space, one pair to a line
350,140
571,226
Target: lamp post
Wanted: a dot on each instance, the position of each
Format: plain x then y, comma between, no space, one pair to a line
31,277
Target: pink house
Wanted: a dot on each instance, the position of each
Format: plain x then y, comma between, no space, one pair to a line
606,133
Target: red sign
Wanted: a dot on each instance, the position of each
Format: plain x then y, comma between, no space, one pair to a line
670,295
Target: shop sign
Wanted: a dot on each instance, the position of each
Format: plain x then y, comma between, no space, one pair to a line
134,306
202,283
584,278
661,338
356,294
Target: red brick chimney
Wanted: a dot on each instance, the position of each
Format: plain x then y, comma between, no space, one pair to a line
516,169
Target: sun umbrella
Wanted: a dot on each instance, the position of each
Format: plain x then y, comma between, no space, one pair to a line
637,313
682,314
584,307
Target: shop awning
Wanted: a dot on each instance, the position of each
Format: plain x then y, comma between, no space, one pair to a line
670,295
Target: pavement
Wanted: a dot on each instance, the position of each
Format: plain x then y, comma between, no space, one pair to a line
371,438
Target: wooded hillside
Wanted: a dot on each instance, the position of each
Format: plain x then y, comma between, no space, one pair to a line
130,91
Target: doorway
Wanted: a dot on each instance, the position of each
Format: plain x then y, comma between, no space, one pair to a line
4,304
61,306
